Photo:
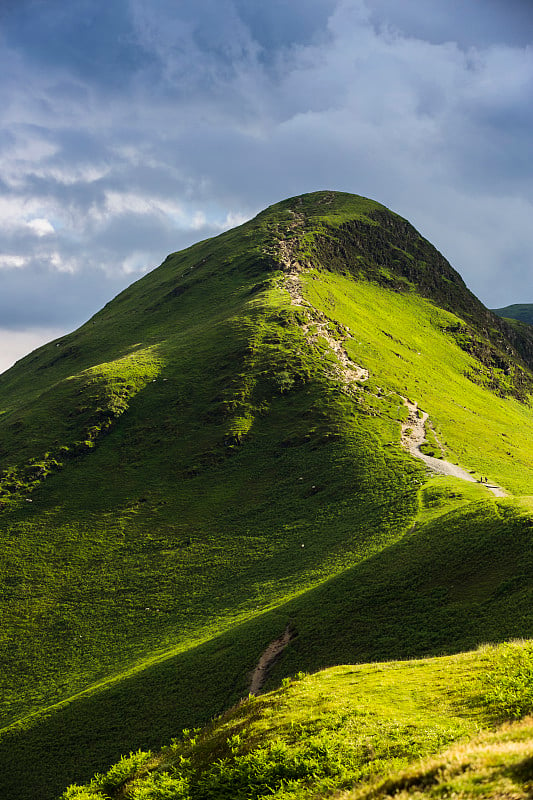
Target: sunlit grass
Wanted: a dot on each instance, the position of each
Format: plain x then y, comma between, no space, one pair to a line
401,339
320,734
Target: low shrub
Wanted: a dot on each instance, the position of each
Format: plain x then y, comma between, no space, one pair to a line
508,686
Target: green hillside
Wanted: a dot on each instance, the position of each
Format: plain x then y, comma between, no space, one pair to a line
522,312
215,458
366,725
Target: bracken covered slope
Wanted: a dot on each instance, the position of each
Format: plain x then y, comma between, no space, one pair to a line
376,731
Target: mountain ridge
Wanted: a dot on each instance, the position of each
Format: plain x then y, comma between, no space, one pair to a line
518,312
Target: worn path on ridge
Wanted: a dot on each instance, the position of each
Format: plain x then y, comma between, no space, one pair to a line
414,434
414,429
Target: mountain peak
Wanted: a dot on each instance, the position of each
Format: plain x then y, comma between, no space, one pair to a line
328,204
225,452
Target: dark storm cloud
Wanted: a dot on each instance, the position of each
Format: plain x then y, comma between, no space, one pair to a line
280,24
131,129
89,39
477,22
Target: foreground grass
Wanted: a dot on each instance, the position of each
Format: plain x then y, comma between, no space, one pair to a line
400,603
322,733
495,764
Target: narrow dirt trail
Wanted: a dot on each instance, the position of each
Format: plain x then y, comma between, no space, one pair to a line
319,326
414,434
268,659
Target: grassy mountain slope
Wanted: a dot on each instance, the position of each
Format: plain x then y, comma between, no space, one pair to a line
349,725
523,312
407,345
191,470
401,603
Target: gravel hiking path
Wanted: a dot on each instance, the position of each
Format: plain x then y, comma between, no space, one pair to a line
269,657
319,326
414,434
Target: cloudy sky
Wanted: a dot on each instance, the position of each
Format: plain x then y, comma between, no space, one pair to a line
131,129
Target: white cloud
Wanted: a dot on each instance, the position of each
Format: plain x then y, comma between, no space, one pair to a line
12,262
232,220
41,226
135,264
59,263
117,202
15,344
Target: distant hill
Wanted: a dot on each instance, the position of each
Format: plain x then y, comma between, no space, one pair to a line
523,312
218,459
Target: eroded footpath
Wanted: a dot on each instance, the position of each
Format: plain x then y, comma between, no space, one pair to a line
414,435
